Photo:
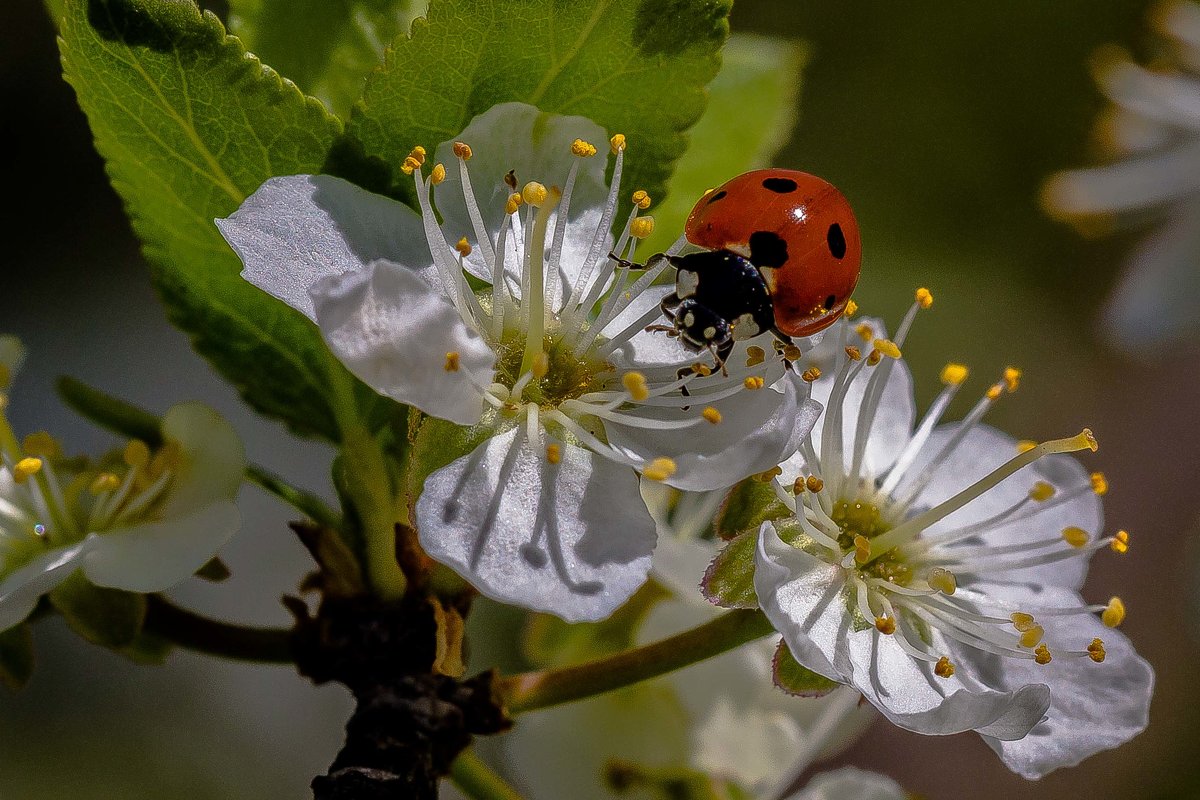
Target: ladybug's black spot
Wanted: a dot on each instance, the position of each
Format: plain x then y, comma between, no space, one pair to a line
767,249
780,185
829,301
836,241
717,196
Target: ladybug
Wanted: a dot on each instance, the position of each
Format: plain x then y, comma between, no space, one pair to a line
782,254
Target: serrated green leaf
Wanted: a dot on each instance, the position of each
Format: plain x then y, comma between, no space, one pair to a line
748,505
16,656
729,580
550,642
636,67
107,617
326,47
751,112
189,124
797,679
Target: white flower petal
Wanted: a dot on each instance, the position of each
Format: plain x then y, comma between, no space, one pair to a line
395,332
213,458
20,590
573,539
295,230
536,146
1093,707
758,430
803,597
849,783
653,348
155,556
1150,180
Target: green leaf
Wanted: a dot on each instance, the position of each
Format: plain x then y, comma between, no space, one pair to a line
551,642
326,46
729,581
747,506
189,125
16,656
636,67
797,679
107,617
751,113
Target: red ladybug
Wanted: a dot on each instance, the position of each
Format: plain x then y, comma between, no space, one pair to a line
783,254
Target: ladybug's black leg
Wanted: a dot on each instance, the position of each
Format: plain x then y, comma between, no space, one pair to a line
669,304
627,264
720,353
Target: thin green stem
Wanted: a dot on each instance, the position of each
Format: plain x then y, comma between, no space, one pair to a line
214,637
478,781
308,504
551,687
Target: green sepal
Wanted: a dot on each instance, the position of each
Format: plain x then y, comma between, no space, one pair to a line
438,443
550,642
748,505
16,656
797,679
729,580
215,571
147,649
107,617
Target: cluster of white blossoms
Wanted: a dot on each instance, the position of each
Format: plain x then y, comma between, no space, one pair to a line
1152,133
936,567
512,317
142,519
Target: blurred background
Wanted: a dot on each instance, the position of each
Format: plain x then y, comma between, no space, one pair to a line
938,121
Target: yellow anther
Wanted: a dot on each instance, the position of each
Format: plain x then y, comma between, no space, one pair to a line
994,392
798,485
1076,537
535,194
864,331
417,154
641,199
853,353
104,482
438,174
703,370
1022,621
712,415
641,227
1120,542
462,150
617,143
1096,651
513,202
25,468
540,366
811,374
1025,445
954,374
754,382
851,308
659,469
1041,492
755,355
41,444
943,668
814,484
768,475
792,353
1031,637
1114,614
635,384
1099,483
463,247
874,358
137,454
862,548
1042,654
553,453
943,580
583,149
410,165
885,625
924,298
1012,378
453,361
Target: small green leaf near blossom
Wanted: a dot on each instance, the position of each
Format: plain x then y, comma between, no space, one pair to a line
636,67
107,617
16,656
747,506
797,679
189,125
729,581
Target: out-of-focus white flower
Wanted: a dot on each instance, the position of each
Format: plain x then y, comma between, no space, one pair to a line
141,520
511,317
1152,130
936,568
849,783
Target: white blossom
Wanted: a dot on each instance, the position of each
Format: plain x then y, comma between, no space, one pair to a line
936,567
511,317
